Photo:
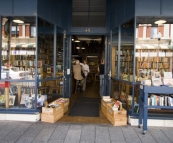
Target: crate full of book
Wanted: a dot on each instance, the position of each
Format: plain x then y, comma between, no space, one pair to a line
64,102
114,111
52,113
104,104
116,114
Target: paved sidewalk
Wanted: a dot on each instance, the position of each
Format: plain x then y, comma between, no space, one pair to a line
61,132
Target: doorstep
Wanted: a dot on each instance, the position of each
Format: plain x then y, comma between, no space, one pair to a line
20,117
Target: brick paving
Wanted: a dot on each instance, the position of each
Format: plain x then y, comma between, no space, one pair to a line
65,132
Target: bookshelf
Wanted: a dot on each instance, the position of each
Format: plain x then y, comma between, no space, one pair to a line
154,57
143,102
126,61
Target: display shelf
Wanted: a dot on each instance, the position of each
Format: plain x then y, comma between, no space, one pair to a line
153,55
143,102
127,92
126,60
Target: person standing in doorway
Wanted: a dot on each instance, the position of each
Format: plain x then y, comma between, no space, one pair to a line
77,74
86,71
101,71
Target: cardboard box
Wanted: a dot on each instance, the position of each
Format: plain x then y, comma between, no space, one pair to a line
64,102
104,105
117,118
52,118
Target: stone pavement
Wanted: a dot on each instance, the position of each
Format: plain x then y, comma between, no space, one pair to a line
61,132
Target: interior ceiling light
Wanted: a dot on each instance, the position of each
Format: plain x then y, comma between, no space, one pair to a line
76,40
160,22
18,21
83,48
72,39
77,47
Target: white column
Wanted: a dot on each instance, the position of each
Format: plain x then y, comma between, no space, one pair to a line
145,31
136,32
166,31
23,31
171,34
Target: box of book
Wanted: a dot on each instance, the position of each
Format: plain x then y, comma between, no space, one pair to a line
116,117
52,109
64,102
104,103
52,118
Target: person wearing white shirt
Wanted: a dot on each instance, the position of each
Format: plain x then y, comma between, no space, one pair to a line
86,71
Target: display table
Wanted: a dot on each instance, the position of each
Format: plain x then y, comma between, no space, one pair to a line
143,102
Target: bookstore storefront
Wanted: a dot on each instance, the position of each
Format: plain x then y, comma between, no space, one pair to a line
146,60
33,50
31,63
142,55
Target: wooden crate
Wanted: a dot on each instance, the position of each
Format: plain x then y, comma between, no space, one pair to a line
117,118
64,104
52,118
52,111
104,106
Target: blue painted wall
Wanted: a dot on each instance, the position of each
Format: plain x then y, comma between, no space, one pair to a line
154,8
56,11
18,7
121,11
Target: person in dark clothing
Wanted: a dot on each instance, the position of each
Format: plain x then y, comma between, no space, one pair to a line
101,71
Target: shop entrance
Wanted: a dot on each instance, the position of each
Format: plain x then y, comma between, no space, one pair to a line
85,102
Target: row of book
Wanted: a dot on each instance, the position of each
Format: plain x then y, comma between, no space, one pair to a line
126,52
160,100
20,52
154,59
28,63
153,65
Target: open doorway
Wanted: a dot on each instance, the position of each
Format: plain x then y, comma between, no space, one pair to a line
89,49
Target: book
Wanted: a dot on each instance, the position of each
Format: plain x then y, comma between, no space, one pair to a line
24,97
156,75
136,108
146,82
156,82
11,100
168,82
48,70
168,75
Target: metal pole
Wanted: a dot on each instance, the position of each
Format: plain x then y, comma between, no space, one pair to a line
106,62
134,65
110,61
70,51
55,38
0,44
36,66
119,46
64,62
